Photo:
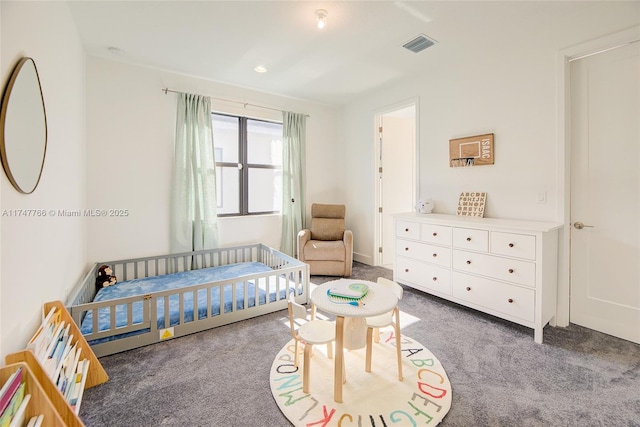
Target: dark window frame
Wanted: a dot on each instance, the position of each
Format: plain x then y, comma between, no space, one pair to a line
245,166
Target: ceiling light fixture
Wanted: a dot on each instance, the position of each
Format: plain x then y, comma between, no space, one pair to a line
322,14
260,69
115,51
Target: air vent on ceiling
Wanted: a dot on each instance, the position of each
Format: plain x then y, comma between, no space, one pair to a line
419,43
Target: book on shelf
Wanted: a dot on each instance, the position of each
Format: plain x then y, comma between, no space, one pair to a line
36,421
56,349
21,413
6,385
44,335
64,368
14,404
69,371
80,379
58,352
9,389
61,356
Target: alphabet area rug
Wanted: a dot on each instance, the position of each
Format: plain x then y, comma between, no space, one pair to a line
376,398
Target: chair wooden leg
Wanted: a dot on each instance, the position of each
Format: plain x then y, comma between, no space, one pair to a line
306,368
339,360
398,344
295,350
376,338
344,374
367,366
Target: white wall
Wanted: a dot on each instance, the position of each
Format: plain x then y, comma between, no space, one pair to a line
42,257
508,87
131,132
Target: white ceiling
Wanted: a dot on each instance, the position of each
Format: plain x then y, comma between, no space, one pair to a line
359,49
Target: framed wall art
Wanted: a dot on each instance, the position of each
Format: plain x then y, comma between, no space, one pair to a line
471,151
471,204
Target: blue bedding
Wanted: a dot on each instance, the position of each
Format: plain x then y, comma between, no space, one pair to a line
167,282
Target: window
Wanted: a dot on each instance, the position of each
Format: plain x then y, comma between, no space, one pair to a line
248,156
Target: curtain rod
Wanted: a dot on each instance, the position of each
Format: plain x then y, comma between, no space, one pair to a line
166,90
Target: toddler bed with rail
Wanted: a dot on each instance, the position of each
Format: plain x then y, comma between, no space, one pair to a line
167,296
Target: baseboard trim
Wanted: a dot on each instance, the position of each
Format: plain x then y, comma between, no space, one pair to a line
365,259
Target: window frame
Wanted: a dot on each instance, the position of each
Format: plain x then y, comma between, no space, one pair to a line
243,165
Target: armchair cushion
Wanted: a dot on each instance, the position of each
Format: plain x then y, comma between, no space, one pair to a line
324,250
327,222
327,228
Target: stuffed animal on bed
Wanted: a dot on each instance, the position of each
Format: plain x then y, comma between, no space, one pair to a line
105,278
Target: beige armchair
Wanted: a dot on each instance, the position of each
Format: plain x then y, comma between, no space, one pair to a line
327,247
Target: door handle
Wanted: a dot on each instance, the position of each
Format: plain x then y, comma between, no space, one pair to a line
579,225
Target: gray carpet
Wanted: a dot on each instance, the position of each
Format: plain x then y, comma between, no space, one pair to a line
499,376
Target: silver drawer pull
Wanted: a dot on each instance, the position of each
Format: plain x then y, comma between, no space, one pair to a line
468,288
510,300
435,255
435,279
511,270
468,261
435,234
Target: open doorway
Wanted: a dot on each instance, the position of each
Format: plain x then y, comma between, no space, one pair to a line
396,173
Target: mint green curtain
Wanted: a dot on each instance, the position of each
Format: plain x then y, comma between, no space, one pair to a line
194,222
294,132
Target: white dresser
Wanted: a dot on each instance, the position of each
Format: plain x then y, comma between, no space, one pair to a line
506,268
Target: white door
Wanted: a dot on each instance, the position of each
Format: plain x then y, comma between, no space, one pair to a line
397,175
605,192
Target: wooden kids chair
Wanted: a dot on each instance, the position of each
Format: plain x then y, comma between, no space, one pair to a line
310,332
391,318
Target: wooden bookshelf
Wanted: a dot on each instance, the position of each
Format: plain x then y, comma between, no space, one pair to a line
52,392
40,404
95,376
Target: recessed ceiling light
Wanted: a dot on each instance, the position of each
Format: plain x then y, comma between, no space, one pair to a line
260,69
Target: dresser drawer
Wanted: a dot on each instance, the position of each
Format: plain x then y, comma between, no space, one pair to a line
471,239
421,251
423,276
511,270
515,245
438,234
408,230
508,299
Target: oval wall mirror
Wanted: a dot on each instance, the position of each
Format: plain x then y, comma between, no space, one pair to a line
23,127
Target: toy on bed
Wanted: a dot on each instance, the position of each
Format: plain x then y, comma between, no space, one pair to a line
105,278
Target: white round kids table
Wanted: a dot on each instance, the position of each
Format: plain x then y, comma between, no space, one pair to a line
378,300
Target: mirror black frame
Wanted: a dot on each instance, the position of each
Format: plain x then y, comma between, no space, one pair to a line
3,129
